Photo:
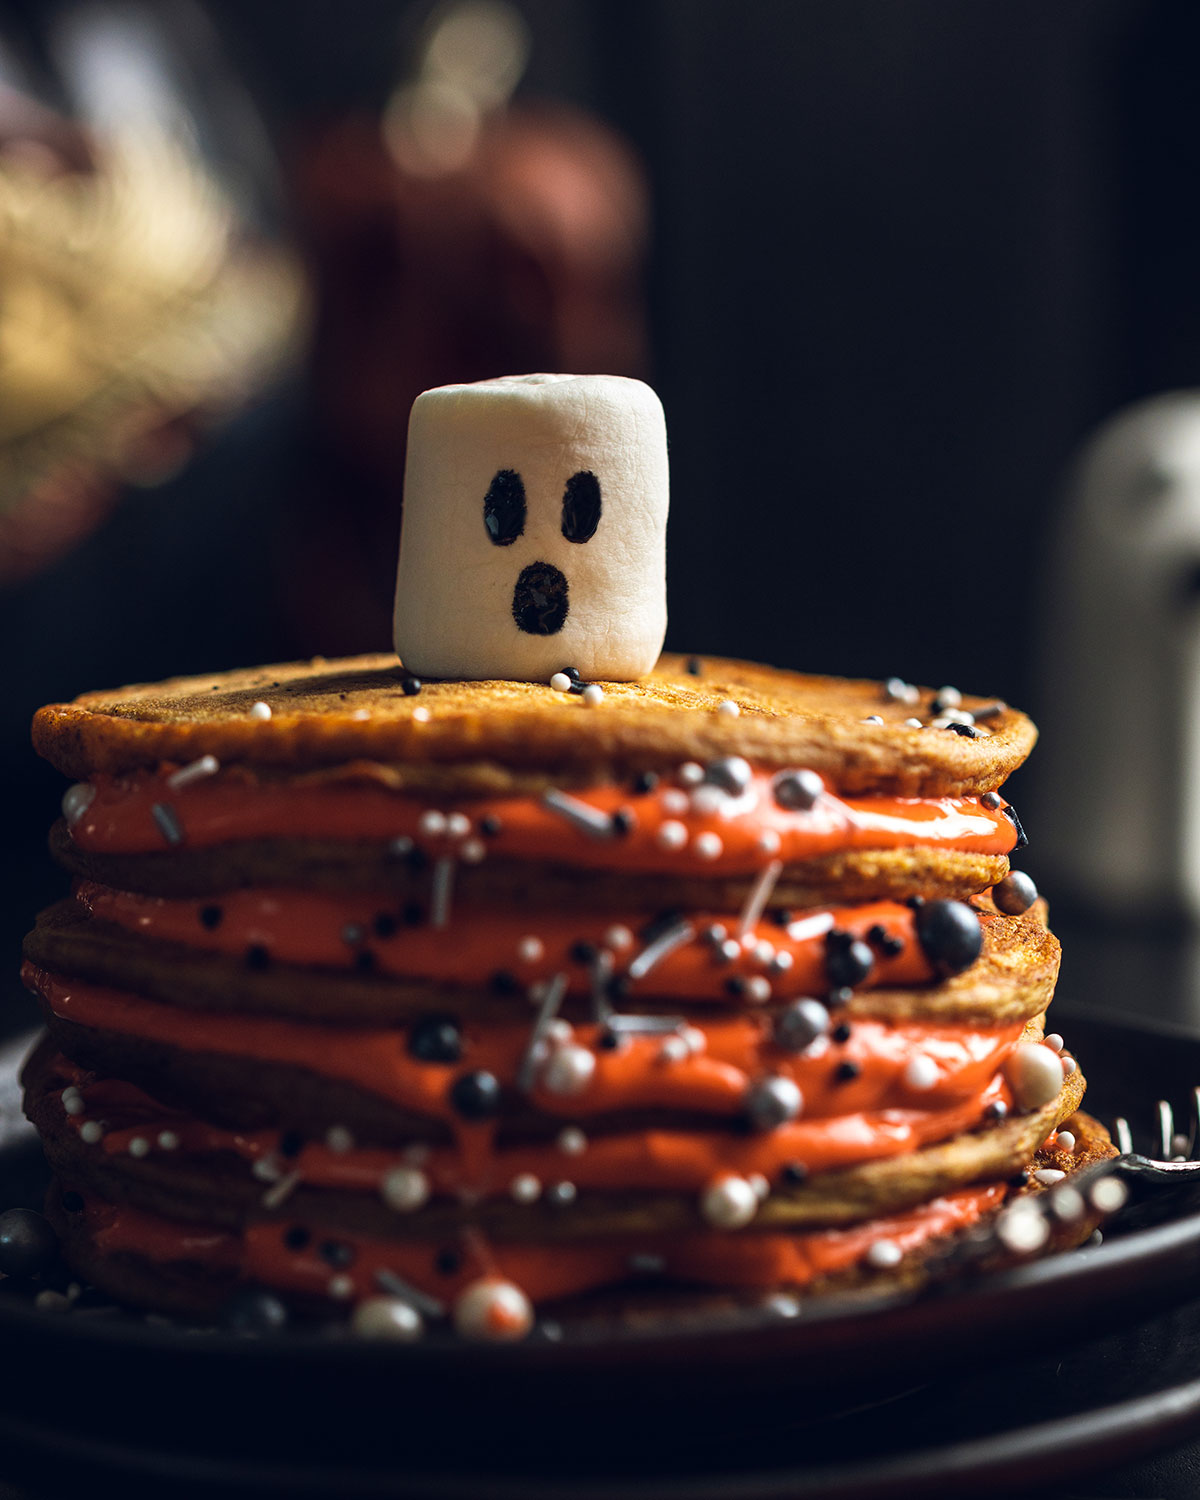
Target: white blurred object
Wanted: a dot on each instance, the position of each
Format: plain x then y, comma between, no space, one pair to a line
1119,820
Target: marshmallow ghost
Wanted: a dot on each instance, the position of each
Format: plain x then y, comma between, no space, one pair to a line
534,536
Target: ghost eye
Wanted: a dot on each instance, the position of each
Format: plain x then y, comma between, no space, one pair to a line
581,507
504,508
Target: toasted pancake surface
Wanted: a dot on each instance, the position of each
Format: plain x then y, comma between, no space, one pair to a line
325,713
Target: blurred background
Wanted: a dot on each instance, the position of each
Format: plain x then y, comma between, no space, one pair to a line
888,266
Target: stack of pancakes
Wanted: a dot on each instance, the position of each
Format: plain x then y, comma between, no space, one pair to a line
484,997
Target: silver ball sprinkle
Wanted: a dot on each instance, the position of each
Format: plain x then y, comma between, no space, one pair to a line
387,1318
1015,894
797,790
731,773
771,1102
800,1024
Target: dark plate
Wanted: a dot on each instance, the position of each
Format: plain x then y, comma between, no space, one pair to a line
755,1404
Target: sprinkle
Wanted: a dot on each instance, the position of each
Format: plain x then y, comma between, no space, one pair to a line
693,666
405,1189
1048,1176
690,774
729,1202
674,802
472,851
260,711
48,1300
571,1141
443,889
696,1041
76,801
757,897
913,724
168,1140
531,950
674,1050
593,694
139,1146
525,1188
400,848
1035,1075
991,800
560,682
728,709
421,714
600,978
947,697
276,1196
168,823
388,1281
768,842
72,1102
587,819
207,765
709,801
763,953
797,791
458,825
339,1140
921,1074
637,1025
1022,1229
644,1263
782,1305
431,824
568,1071
1065,1141
708,846
341,1287
772,1102
493,1311
846,1072
91,1132
883,1255
781,962
732,773
872,719
618,939
758,989
1108,1194
665,943
729,951
1053,1041
266,1169
899,691
1068,1066
562,1194
527,1068
671,835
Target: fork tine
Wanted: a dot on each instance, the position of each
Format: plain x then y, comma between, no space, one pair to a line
1166,1130
1194,1126
1123,1134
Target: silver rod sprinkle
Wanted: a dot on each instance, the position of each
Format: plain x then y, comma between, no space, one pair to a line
277,1195
760,894
638,1025
168,822
197,770
388,1281
443,889
585,818
547,1011
601,973
654,953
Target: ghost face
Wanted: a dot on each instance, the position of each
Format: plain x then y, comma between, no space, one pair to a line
534,530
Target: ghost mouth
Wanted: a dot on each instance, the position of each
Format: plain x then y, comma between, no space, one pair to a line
540,600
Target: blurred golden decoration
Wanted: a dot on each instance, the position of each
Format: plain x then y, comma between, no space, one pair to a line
131,310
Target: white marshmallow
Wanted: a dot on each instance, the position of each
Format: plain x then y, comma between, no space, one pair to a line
457,589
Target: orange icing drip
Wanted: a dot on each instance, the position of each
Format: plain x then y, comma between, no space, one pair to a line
871,1116
307,927
752,828
707,1258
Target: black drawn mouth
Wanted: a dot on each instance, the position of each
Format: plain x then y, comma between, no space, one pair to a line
540,600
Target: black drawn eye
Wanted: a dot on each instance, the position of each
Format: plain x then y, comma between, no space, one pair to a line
504,508
581,507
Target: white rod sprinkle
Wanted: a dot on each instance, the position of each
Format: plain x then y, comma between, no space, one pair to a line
196,770
281,1191
168,823
388,1281
586,819
759,895
555,991
666,943
443,889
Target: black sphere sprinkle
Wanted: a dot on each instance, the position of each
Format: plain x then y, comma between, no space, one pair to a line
253,1311
583,953
991,800
435,1039
1022,841
572,673
622,822
645,782
337,1253
577,685
413,914
490,825
950,935
1020,1180
384,925
736,987
841,1032
795,1173
848,960
504,983
989,710
28,1243
879,937
694,666
297,1237
659,924
73,1203
967,731
839,997
447,1262
411,686
476,1096
257,957
916,902
211,917
617,988
417,861
1015,894
781,917
846,1072
291,1143
364,961
353,933
608,1041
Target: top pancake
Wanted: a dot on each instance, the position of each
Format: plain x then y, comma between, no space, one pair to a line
329,712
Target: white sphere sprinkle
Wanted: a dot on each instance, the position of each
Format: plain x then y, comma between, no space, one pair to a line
1108,1195
560,682
913,724
1065,1141
260,711
458,825
921,1074
568,1070
949,697
758,989
431,824
405,1189
421,714
593,694
1053,1041
530,950
761,1186
559,1030
729,949
168,1140
1068,1066
771,1102
472,851
1035,1075
76,801
769,842
139,1146
674,802
696,1041
884,1255
728,709
690,773
674,1050
72,1102
572,1141
91,1132
708,845
525,1188
341,1287
1022,1229
387,1318
782,961
763,952
339,1140
671,835
618,939
708,801
1048,1176
266,1169
729,1202
873,719
493,1311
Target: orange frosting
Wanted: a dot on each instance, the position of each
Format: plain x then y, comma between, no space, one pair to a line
750,829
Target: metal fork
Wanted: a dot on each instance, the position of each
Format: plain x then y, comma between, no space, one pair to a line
1171,1164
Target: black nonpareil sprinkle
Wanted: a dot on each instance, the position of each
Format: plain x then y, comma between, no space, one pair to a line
337,1253
916,902
257,957
583,953
657,925
694,666
967,731
841,1032
1020,1180
735,987
795,1173
447,1262
384,925
572,673
846,1072
623,822
617,988
411,686
291,1143
645,782
608,1041
504,983
436,1039
417,861
364,961
781,917
848,960
211,917
490,825
413,914
476,1096
879,937
297,1237
1022,841
839,997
